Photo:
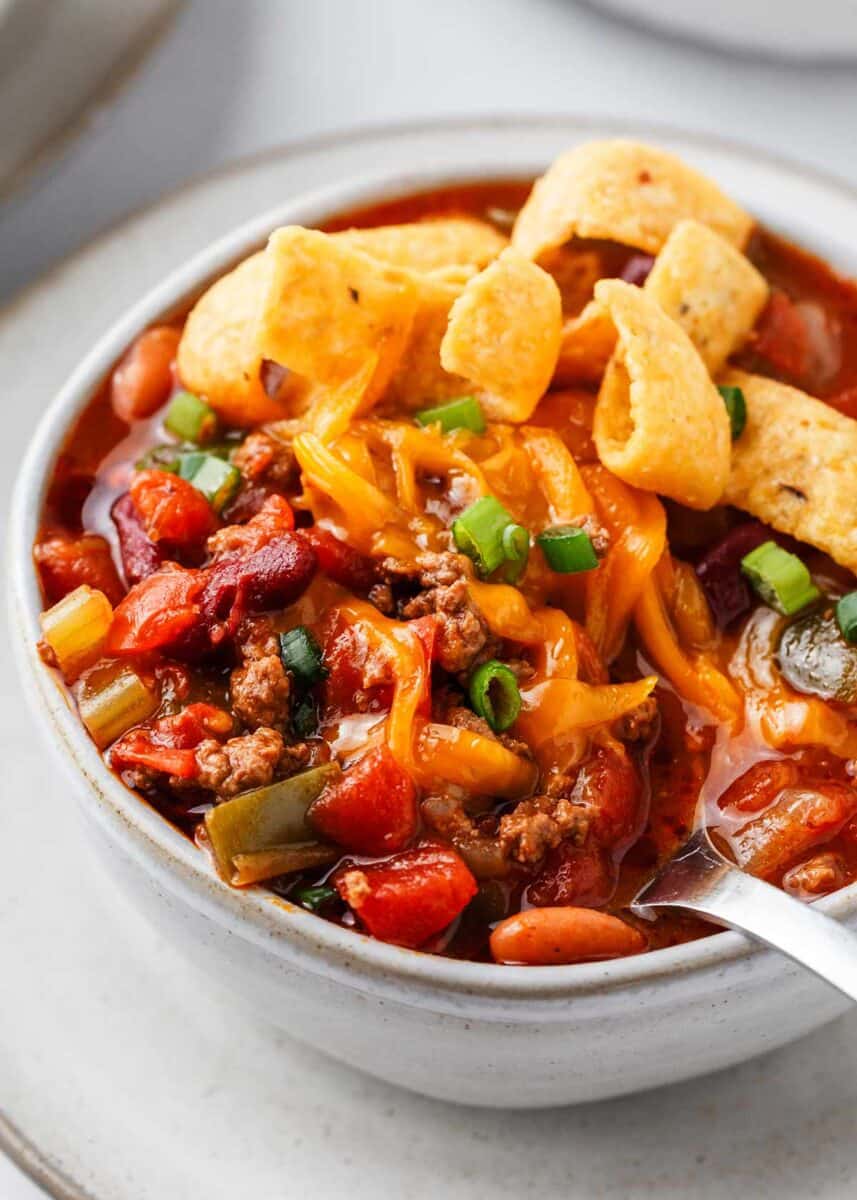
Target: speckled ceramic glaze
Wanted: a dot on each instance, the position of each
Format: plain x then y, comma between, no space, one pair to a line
474,1033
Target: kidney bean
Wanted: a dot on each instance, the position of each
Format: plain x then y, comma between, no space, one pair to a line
719,571
546,936
272,577
141,556
143,379
573,875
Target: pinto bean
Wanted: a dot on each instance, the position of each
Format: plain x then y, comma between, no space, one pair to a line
545,936
143,379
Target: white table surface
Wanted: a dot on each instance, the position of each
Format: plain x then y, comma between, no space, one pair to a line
234,78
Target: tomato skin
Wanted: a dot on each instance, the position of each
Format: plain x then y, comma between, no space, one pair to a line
372,809
273,518
144,378
782,338
410,896
760,785
65,562
168,745
157,612
339,561
171,509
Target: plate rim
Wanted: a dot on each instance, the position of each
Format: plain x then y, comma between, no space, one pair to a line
14,1142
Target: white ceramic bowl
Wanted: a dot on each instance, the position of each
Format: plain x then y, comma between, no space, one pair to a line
469,1032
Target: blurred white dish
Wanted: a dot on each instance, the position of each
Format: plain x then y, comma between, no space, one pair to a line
825,29
60,61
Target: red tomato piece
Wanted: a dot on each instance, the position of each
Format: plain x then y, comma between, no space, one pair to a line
274,518
168,744
171,509
144,378
760,785
410,896
65,562
137,750
353,667
157,612
371,809
782,337
339,561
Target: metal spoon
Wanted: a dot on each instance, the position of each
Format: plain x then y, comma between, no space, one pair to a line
698,879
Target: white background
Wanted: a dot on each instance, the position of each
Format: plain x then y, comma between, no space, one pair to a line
237,77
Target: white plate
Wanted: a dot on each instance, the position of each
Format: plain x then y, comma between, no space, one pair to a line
129,1076
62,62
790,29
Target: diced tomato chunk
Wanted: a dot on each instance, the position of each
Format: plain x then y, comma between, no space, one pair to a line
168,744
760,785
339,561
410,896
274,518
66,561
353,668
782,337
371,809
157,612
171,509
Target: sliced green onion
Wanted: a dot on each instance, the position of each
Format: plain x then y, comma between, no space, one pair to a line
305,718
315,898
780,578
217,480
568,549
846,616
191,419
478,533
301,655
516,547
463,413
189,463
494,694
736,407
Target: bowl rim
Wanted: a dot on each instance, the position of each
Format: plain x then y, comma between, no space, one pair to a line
314,944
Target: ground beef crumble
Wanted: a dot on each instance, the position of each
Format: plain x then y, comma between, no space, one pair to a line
262,458
249,761
259,686
436,584
538,825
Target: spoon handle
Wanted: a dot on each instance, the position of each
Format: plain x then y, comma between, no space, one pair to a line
703,883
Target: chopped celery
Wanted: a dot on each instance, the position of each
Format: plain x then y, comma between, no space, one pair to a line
76,629
280,860
113,707
265,819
